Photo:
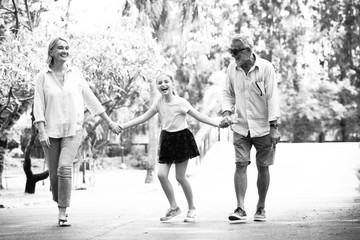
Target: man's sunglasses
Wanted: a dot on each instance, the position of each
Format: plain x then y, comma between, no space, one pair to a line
235,51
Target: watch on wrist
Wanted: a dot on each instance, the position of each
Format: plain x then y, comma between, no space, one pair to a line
274,125
225,112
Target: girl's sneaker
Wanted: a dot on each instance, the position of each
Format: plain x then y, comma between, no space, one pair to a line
170,214
191,216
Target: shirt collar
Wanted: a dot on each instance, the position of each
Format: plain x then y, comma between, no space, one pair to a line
69,68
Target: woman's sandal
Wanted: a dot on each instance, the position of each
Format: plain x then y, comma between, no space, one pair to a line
64,222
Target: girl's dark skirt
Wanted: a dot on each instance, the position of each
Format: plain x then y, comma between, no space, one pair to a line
177,147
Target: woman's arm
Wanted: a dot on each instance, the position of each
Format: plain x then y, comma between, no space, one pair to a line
115,128
43,137
139,120
203,118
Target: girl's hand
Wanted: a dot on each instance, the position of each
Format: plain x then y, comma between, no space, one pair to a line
44,139
225,122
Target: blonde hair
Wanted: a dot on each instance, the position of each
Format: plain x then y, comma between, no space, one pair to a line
50,60
169,75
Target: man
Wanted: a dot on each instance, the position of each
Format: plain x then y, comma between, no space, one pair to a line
250,105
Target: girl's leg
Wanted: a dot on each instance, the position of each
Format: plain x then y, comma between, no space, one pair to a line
181,178
163,175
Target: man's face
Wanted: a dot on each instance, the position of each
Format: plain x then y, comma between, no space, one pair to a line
240,53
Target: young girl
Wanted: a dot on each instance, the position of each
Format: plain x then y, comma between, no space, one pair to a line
177,144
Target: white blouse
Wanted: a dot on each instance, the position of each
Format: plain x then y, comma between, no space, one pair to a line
61,107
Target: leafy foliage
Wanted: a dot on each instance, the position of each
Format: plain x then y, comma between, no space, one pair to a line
314,46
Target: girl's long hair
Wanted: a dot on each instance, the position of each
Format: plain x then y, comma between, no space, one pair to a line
50,60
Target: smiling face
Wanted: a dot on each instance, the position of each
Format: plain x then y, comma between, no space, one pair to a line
164,84
60,51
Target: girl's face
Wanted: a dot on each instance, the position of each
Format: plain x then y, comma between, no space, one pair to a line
60,52
164,84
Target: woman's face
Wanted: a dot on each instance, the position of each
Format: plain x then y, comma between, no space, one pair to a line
60,52
164,84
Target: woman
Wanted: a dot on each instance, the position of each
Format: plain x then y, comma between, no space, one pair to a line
60,95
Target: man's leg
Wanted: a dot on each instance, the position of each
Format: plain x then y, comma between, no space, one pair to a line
240,182
265,153
242,145
263,182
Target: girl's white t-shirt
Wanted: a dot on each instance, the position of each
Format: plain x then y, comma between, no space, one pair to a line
172,114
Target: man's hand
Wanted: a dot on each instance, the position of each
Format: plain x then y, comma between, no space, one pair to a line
275,136
225,121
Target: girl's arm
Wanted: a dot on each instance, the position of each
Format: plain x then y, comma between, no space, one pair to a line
203,118
141,119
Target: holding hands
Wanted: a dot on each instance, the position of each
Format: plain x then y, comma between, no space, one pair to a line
225,122
114,127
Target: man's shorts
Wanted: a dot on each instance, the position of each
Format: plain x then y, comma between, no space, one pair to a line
265,151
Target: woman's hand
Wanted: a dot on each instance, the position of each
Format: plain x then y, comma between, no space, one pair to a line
44,139
114,127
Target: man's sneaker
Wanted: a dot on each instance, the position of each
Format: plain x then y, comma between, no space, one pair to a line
191,216
238,216
170,214
260,215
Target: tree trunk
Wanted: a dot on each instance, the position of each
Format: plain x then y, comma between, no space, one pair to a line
321,137
2,157
152,155
343,130
32,179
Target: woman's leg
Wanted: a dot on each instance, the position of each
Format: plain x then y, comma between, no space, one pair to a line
69,147
181,178
52,155
163,175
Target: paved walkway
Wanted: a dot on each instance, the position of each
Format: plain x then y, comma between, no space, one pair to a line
312,196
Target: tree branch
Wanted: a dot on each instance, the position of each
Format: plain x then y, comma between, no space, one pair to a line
17,24
8,101
28,15
7,9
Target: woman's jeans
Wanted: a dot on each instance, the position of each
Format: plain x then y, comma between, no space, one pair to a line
60,157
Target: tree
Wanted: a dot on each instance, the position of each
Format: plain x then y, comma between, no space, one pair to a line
15,95
21,14
31,178
339,24
18,65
